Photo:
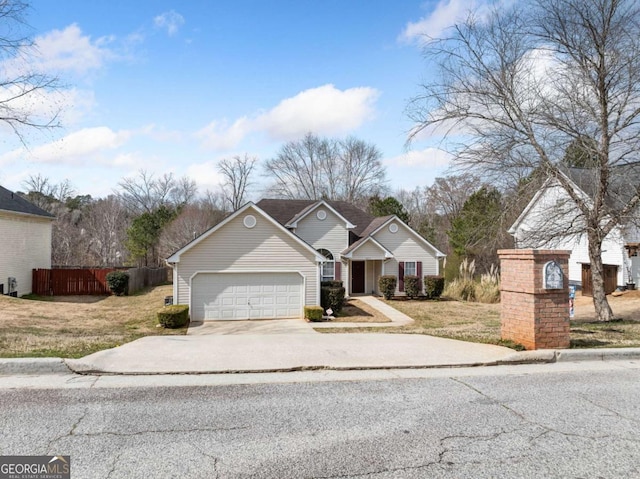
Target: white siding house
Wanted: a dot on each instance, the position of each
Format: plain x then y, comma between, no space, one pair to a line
267,260
25,230
551,221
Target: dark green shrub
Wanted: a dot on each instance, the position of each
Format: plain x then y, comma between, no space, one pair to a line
333,298
118,282
313,313
433,286
387,285
174,316
412,286
331,284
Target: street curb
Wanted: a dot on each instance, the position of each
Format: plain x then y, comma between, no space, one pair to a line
530,357
603,354
19,366
41,366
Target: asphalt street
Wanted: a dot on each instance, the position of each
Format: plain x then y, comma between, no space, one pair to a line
555,420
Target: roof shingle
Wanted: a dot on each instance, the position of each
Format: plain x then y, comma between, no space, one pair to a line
10,201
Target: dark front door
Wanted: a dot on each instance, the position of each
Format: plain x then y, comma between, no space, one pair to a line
357,277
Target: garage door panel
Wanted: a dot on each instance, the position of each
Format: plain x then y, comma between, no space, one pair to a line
227,296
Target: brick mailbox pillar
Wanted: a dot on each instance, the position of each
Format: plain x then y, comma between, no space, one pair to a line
534,297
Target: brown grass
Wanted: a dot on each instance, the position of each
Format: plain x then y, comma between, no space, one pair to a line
476,322
74,326
355,311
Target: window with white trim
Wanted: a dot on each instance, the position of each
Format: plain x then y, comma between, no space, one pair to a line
328,266
410,268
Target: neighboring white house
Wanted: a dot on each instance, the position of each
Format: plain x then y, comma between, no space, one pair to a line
25,230
550,221
267,260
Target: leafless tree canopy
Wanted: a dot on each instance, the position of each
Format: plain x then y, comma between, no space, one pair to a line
314,168
518,87
236,173
21,88
145,193
42,192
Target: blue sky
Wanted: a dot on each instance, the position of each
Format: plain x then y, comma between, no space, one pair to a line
177,86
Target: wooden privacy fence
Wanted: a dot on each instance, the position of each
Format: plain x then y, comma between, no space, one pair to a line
91,281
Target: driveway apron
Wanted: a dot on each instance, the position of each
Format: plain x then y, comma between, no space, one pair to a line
264,326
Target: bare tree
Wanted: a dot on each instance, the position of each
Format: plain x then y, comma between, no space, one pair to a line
523,83
21,88
297,170
42,192
184,191
145,193
314,168
193,220
105,224
360,171
236,173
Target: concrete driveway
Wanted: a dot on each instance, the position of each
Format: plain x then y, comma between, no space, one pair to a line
265,326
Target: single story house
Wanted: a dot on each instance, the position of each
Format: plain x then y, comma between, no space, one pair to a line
551,221
267,260
25,230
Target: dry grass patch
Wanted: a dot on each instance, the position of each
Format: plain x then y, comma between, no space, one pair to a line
586,332
355,311
477,322
74,326
448,319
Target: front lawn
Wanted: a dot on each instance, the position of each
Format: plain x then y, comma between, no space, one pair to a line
74,326
480,323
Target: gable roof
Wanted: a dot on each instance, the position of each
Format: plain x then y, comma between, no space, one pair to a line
388,219
293,223
10,201
175,257
622,180
582,180
287,212
348,253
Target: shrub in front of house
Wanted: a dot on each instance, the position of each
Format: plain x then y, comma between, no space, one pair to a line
412,286
118,282
331,284
387,285
433,286
332,297
174,316
313,313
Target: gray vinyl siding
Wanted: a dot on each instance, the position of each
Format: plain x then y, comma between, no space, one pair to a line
406,247
367,251
329,233
234,247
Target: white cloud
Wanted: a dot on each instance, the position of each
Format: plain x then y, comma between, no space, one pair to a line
429,157
70,51
446,14
79,148
171,21
205,174
324,110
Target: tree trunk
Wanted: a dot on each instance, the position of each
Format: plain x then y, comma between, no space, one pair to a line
603,310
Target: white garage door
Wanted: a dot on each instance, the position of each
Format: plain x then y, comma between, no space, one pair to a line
223,296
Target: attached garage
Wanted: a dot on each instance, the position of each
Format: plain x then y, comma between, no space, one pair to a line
246,295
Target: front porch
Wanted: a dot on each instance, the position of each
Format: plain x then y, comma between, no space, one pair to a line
365,262
363,277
